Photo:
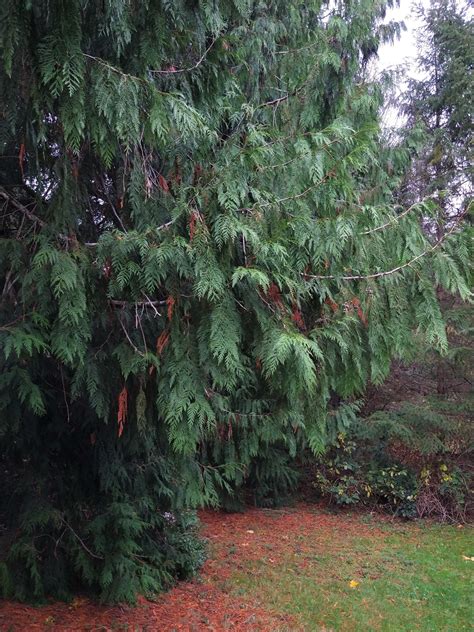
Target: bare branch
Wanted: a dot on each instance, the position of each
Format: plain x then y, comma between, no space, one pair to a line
176,71
81,541
376,275
111,204
31,216
146,303
394,220
279,100
94,244
151,304
276,101
163,226
134,346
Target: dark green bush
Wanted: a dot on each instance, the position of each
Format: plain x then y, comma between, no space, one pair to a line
121,533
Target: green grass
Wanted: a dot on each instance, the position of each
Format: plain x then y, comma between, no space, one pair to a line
410,578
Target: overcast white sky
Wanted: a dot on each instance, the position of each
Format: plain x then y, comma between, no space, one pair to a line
404,49
401,53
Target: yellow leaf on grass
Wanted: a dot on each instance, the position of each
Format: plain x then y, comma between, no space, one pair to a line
353,583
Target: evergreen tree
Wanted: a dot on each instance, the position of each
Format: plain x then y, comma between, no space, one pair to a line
200,258
440,101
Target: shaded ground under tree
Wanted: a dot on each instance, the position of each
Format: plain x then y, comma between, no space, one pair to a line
339,565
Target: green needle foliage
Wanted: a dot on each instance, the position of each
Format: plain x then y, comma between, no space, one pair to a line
441,102
200,257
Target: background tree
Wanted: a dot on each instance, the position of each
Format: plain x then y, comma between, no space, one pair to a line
201,258
439,102
414,429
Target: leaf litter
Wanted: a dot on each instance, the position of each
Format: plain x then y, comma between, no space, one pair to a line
209,602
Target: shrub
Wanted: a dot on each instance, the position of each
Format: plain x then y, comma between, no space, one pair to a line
413,462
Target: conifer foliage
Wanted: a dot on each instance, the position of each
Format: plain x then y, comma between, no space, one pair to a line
200,256
440,102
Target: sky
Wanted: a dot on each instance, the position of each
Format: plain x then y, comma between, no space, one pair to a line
404,49
401,53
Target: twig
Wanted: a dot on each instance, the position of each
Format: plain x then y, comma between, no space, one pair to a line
34,218
94,244
64,394
134,347
7,326
151,304
375,275
276,101
83,544
241,305
138,322
285,97
7,285
21,207
112,206
163,226
175,71
392,221
147,303
297,195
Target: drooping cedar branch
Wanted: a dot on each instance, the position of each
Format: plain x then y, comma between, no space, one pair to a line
376,275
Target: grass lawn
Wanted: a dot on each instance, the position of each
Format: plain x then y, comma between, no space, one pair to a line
361,573
296,569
